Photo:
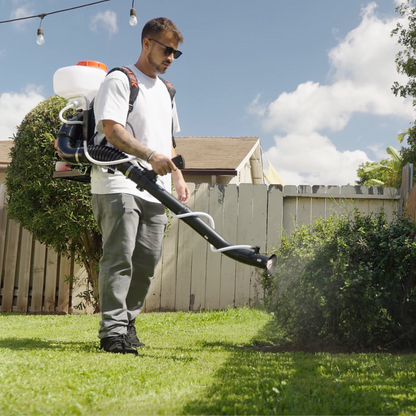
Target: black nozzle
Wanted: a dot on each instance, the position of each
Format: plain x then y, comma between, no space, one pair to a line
271,265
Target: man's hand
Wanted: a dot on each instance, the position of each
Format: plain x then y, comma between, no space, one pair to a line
162,164
181,187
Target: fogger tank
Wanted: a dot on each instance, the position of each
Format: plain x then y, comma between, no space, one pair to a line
79,83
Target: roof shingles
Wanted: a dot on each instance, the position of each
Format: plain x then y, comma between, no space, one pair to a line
214,152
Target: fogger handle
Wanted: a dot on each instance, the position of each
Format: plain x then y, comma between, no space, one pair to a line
179,161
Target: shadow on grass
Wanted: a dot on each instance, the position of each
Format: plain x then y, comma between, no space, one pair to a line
255,380
40,344
31,344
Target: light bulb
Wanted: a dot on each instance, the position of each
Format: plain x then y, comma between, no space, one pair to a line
40,40
133,18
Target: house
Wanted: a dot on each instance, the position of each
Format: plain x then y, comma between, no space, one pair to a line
222,160
5,146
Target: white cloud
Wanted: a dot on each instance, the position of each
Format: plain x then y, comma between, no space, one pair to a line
361,74
256,108
14,107
106,20
312,159
21,8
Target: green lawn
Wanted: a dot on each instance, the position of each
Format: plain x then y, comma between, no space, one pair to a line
193,363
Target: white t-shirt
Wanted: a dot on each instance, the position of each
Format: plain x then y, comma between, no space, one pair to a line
150,122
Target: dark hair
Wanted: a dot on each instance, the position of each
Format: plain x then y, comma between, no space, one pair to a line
158,25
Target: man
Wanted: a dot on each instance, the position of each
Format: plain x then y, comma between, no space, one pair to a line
133,222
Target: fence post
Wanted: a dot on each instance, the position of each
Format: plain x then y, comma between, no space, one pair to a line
407,185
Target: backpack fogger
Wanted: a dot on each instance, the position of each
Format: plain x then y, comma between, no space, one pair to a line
76,148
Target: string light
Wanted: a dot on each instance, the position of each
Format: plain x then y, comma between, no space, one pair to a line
40,38
133,18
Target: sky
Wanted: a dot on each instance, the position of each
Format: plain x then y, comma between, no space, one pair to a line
311,78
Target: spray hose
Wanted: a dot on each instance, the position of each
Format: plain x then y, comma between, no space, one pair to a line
146,180
212,224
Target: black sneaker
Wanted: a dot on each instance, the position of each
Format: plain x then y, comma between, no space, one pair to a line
132,336
118,344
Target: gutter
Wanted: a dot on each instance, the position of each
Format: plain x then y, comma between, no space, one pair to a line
215,172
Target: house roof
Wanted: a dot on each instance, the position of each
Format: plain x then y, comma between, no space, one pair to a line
5,146
215,153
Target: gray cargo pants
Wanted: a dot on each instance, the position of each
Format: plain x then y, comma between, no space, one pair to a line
132,231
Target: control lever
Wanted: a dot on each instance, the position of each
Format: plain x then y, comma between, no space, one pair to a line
179,161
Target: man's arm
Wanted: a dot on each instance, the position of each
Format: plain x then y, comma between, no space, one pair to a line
180,185
122,140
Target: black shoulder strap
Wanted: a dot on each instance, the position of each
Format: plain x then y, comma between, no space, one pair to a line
134,85
172,92
134,89
170,88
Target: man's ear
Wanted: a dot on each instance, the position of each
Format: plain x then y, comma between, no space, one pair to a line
146,44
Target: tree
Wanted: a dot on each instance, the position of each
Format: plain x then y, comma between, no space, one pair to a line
406,59
57,212
406,65
387,172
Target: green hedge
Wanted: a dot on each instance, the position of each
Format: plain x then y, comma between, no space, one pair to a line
348,281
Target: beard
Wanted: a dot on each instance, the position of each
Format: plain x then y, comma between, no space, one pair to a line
157,68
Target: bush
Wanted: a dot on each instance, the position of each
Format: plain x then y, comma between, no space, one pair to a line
57,212
347,281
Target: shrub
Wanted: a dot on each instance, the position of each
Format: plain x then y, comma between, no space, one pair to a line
348,281
56,211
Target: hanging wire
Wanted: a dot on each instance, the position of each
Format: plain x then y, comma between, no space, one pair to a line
42,15
133,18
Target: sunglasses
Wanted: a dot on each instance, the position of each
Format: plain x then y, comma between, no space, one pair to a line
168,49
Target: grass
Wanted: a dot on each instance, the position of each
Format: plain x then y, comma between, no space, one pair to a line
215,362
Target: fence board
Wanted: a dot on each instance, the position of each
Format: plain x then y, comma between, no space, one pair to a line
245,220
78,304
50,281
65,271
258,233
333,207
228,270
199,254
214,260
3,228
362,204
389,205
39,253
290,211
170,257
10,262
274,217
318,209
184,266
304,205
23,275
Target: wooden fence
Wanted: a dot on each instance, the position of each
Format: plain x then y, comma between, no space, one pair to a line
190,276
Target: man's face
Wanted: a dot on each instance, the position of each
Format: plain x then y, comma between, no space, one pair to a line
158,61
